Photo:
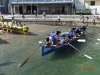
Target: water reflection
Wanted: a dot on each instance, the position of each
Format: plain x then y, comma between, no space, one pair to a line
3,41
6,63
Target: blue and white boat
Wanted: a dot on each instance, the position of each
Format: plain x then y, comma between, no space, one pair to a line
47,50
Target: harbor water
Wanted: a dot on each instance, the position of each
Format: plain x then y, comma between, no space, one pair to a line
16,48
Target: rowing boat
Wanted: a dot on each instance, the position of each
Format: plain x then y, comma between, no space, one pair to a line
47,50
16,29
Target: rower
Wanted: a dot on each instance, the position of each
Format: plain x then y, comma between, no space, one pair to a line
73,28
70,35
25,29
48,41
11,28
7,26
78,31
2,19
84,28
3,26
58,34
53,36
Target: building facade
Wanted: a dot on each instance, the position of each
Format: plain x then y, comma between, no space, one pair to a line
79,4
49,6
93,5
4,6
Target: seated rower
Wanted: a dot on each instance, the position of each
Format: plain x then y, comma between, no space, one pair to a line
11,28
73,28
3,26
48,41
71,33
84,28
25,29
58,35
53,37
78,31
63,40
16,24
7,26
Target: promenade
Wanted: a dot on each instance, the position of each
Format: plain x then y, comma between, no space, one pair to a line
49,17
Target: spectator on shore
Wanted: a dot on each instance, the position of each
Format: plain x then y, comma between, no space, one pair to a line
93,20
23,16
98,18
35,13
86,19
44,14
58,18
82,19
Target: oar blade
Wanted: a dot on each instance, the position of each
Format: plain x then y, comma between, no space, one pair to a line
20,65
81,40
88,56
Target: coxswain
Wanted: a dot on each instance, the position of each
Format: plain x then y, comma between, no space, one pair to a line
25,29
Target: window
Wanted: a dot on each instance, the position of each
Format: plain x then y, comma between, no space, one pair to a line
92,3
1,2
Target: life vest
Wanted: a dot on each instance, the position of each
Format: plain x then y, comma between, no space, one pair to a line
25,28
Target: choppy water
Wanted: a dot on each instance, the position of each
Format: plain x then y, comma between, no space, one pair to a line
63,62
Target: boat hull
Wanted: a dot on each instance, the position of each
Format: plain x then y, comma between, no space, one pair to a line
47,50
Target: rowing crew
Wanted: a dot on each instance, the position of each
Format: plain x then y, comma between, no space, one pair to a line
58,38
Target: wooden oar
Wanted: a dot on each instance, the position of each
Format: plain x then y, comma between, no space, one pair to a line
20,65
80,51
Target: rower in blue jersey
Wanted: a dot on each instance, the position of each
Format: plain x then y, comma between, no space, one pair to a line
71,33
78,31
73,28
53,36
